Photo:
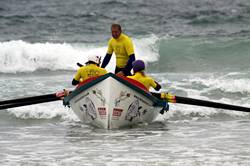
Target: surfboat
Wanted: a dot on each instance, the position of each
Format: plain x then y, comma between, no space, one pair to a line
112,102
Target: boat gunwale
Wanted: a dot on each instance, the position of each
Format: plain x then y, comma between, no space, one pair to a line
156,101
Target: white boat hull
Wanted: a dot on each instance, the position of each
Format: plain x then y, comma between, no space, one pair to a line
110,104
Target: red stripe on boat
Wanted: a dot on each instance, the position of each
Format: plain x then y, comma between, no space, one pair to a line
134,82
131,81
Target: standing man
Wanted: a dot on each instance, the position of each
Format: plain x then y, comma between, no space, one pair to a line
123,47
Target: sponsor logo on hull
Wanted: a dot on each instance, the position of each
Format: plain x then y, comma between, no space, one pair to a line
117,112
102,112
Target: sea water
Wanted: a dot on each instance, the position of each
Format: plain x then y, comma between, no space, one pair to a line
197,49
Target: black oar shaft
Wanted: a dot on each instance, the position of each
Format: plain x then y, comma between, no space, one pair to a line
191,101
29,102
27,99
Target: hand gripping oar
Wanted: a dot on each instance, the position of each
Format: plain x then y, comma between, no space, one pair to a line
184,100
31,100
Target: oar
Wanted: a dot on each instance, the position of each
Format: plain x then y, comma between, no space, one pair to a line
31,100
27,99
191,101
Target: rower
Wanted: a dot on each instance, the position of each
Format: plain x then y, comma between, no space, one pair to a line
140,76
148,82
91,69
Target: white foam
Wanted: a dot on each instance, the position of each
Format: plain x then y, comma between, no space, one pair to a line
146,48
44,111
21,56
198,84
225,83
